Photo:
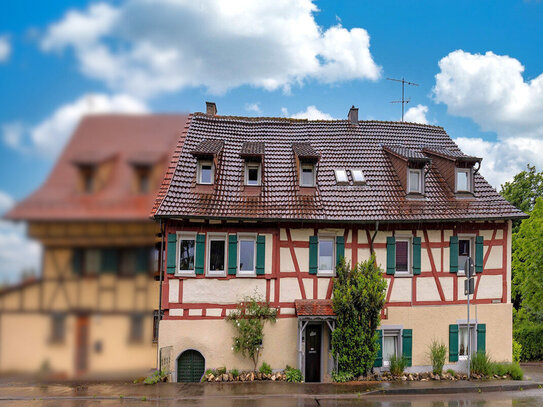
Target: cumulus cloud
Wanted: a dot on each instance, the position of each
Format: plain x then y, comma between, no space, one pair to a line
5,48
48,137
416,114
150,47
311,113
490,90
253,107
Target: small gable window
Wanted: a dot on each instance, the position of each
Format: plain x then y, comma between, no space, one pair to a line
415,181
87,175
463,181
205,172
358,176
252,173
341,177
307,175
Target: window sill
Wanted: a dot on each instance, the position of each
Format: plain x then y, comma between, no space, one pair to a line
403,275
216,274
415,195
185,274
326,274
246,274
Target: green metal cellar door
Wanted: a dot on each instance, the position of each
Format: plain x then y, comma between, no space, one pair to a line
190,366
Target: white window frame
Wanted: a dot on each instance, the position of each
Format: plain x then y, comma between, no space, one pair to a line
307,165
184,236
471,238
326,272
396,332
358,181
246,273
466,171
199,175
214,237
259,177
421,188
473,328
409,272
338,181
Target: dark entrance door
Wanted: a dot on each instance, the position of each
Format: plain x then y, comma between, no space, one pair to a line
82,344
313,353
190,366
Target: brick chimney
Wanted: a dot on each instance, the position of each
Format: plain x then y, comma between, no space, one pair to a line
353,115
211,108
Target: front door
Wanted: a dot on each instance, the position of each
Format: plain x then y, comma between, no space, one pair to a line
313,353
82,344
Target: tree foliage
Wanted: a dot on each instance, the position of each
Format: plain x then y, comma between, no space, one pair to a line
248,320
359,296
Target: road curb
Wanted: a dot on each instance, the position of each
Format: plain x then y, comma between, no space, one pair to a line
465,389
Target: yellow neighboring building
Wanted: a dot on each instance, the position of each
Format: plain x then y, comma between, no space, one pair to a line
93,310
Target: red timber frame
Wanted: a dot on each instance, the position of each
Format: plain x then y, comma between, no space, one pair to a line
437,270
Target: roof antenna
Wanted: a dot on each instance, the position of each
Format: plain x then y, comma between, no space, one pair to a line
403,101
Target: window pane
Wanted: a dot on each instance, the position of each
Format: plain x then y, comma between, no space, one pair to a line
246,255
252,176
186,254
326,254
414,181
92,261
217,250
307,176
128,262
341,176
463,252
462,181
402,248
205,174
144,183
389,347
358,176
463,340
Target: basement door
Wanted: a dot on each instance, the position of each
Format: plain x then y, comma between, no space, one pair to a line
190,366
313,337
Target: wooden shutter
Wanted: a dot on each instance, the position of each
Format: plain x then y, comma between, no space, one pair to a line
109,262
453,343
407,345
200,253
340,249
479,251
260,254
232,254
378,362
142,260
171,258
77,261
481,338
313,254
453,254
391,255
416,255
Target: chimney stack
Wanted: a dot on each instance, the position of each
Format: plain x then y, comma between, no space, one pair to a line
353,115
211,109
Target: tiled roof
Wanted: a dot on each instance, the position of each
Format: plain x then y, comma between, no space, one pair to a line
208,147
448,153
340,145
314,308
304,150
407,153
252,148
123,139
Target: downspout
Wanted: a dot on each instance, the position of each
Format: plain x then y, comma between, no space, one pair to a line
160,270
373,237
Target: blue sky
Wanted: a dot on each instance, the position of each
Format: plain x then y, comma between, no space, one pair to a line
478,63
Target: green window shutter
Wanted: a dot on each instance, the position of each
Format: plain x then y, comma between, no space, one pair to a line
142,260
232,254
77,261
479,250
172,255
481,338
313,254
260,254
453,254
378,362
109,263
340,249
391,255
407,345
453,343
416,255
200,253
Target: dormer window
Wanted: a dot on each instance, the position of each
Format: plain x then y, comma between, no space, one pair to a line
463,180
341,177
205,172
358,176
415,181
252,173
307,178
87,176
143,179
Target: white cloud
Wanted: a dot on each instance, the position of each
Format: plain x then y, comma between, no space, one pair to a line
253,107
5,48
311,113
48,137
148,47
6,202
416,114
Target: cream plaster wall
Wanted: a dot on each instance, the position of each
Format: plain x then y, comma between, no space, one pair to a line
401,290
427,289
215,291
289,290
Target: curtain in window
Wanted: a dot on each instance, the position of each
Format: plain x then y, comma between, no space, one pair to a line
389,347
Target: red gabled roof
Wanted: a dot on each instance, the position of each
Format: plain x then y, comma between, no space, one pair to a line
314,308
125,140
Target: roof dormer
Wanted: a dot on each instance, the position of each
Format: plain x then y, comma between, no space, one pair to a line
94,169
410,165
252,153
206,153
306,158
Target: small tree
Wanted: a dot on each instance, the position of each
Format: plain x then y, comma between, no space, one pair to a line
248,319
359,296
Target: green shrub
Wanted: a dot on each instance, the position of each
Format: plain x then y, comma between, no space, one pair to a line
221,370
235,372
210,371
500,369
437,353
481,364
530,337
342,377
451,372
265,368
155,377
515,371
397,365
293,375
517,351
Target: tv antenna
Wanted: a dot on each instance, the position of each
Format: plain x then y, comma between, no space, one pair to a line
403,101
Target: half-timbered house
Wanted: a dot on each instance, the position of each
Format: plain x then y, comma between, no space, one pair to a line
90,312
270,205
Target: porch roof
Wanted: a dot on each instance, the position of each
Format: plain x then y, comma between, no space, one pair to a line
322,308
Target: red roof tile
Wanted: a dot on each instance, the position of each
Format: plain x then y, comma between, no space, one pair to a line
314,308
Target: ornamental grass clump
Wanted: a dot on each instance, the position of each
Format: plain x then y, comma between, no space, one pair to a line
265,368
437,353
481,364
397,365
